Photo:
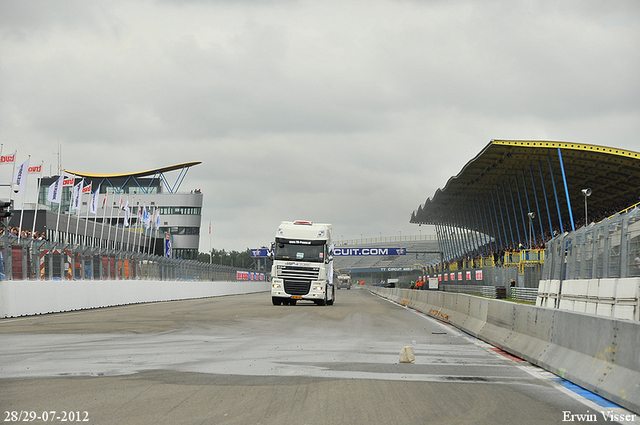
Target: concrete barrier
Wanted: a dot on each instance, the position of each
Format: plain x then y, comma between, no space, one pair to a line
24,298
597,353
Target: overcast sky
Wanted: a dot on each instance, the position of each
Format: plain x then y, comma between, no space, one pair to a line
347,112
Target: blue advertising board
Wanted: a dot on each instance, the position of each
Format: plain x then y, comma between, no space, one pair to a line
347,252
363,252
259,253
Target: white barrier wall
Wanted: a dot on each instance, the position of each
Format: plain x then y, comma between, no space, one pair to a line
616,298
24,298
597,353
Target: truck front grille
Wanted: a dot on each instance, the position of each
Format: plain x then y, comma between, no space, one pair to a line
297,280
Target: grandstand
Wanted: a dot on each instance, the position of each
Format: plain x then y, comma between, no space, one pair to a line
498,213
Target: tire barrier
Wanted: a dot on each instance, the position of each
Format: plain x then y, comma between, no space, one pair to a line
594,352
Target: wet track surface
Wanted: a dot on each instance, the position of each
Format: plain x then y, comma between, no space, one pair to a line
241,360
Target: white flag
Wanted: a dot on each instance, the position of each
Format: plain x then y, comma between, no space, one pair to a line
55,191
126,214
20,177
77,191
94,201
145,218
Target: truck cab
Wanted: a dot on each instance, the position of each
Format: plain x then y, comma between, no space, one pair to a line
302,267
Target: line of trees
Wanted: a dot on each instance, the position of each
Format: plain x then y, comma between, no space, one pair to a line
227,258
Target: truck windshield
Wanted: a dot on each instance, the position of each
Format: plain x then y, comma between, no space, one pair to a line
294,251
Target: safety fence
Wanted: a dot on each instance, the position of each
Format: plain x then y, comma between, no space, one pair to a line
22,259
608,249
520,294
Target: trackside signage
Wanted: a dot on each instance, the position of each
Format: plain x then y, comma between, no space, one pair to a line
346,252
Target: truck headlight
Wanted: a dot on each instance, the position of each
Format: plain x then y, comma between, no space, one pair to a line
318,288
276,286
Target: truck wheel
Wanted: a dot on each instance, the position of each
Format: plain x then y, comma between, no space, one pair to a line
333,297
324,301
276,301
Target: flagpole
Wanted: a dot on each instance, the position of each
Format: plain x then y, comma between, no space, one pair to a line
129,232
79,207
35,213
110,222
95,212
86,223
13,173
124,223
156,221
139,227
23,196
104,215
70,207
143,237
61,181
115,237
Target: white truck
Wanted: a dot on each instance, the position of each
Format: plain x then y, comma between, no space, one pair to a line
302,264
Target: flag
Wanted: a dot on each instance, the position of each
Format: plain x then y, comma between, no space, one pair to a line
121,205
126,214
20,178
68,181
8,159
157,219
145,217
35,169
77,191
94,201
104,201
87,189
55,191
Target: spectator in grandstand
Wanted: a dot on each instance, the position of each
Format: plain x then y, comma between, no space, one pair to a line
636,265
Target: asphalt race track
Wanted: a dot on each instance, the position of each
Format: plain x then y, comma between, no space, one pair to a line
241,360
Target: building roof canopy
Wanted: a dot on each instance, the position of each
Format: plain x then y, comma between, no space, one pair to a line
509,177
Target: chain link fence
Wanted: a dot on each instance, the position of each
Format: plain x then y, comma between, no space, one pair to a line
609,249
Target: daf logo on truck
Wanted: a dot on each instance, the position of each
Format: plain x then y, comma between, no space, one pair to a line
302,264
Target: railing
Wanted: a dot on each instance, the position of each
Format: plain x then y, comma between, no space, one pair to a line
524,294
24,259
520,294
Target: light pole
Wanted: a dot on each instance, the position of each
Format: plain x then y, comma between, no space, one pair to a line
532,215
586,192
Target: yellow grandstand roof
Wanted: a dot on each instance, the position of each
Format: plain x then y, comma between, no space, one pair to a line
509,178
136,174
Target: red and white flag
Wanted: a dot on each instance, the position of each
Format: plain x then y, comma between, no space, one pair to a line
35,169
8,159
68,181
86,189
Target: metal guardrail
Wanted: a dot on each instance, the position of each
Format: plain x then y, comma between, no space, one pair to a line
485,291
520,294
524,294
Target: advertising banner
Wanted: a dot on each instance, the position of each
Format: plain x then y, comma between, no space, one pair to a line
346,252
